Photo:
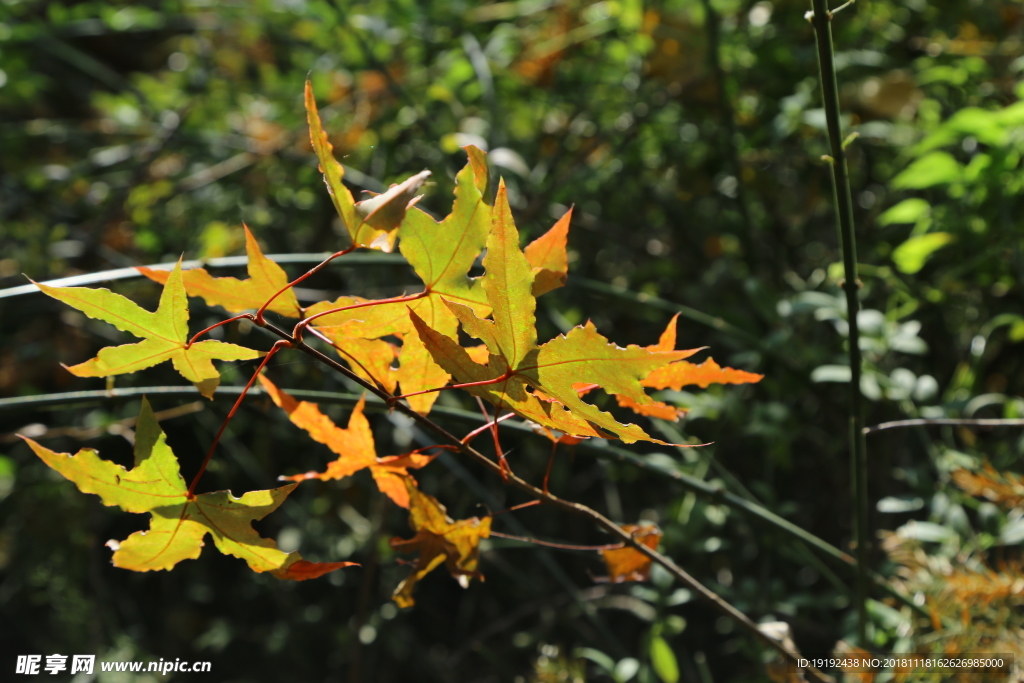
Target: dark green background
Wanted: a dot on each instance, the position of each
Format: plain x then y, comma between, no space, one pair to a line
688,136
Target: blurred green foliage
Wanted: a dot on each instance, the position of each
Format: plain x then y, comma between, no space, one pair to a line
688,134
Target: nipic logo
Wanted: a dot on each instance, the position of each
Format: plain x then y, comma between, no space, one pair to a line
31,664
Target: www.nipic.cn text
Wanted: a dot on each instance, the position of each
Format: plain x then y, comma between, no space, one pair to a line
86,664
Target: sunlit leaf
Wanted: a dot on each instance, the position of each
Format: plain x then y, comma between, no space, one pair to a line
373,222
908,211
663,660
266,278
628,563
442,255
179,522
539,382
911,256
165,334
683,373
547,254
439,540
353,444
936,168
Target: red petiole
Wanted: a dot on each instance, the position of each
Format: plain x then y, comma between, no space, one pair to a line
551,461
303,324
493,426
258,319
197,335
480,430
278,345
527,504
508,373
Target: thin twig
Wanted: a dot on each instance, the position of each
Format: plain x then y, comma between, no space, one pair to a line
926,421
599,449
558,546
121,427
209,454
315,269
569,506
843,6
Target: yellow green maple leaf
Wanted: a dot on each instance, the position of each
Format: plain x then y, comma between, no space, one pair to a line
373,222
442,254
266,278
179,521
164,333
539,383
439,540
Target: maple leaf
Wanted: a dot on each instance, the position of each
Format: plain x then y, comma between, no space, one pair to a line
538,383
373,222
548,257
354,445
629,564
165,335
369,358
439,540
179,523
442,255
266,278
556,437
683,373
679,374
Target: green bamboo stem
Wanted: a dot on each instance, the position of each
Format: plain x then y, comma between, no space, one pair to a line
821,19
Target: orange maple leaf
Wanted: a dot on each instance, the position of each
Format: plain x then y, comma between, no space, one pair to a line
442,255
439,540
265,279
549,258
629,564
354,445
538,382
682,373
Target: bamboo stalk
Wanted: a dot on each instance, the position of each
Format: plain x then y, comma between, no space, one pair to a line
821,19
